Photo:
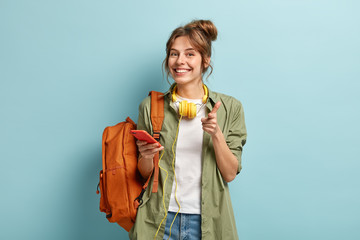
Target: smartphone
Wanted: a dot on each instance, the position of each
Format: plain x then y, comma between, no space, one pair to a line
144,136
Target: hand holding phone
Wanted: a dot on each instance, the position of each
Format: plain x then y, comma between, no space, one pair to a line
144,136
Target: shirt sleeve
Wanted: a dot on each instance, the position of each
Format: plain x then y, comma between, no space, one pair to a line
237,135
144,121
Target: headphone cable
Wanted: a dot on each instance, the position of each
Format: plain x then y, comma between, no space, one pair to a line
173,161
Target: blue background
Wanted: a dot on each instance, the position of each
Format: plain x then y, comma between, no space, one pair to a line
69,68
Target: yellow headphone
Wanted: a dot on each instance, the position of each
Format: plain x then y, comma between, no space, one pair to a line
188,109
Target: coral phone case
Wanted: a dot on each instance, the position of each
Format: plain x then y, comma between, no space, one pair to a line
144,136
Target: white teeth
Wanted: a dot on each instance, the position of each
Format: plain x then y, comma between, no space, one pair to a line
180,70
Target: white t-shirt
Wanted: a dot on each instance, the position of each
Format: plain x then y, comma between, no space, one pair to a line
188,162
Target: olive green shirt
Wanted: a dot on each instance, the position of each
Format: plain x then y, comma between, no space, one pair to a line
217,217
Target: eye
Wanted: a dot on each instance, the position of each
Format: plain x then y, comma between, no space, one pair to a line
191,54
173,54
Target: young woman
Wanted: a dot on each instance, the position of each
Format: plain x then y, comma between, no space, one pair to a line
202,138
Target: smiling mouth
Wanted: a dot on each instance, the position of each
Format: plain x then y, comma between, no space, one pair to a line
182,70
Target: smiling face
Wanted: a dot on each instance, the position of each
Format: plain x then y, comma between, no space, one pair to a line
185,62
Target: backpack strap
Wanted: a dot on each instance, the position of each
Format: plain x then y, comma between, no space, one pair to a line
157,118
157,112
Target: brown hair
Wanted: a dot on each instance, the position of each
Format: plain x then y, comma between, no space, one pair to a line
201,33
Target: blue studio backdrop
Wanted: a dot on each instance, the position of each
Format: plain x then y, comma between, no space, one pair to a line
69,68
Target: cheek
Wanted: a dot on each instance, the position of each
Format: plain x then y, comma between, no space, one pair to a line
198,65
170,62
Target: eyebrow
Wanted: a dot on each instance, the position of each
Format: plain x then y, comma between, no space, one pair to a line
185,49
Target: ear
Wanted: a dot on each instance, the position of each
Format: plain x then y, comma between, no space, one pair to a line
207,62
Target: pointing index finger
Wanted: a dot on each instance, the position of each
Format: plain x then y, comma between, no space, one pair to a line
216,107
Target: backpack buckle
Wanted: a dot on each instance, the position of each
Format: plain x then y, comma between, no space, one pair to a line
156,135
138,201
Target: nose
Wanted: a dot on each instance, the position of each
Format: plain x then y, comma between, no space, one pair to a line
180,59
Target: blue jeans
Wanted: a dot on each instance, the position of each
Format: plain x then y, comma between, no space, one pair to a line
186,226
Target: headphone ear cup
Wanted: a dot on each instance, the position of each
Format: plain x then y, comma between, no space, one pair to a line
187,109
191,110
182,108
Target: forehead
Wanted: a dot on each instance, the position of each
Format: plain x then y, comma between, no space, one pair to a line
182,43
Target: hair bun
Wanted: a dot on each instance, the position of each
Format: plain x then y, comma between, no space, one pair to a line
207,27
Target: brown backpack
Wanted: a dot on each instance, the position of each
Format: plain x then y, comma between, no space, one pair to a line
121,185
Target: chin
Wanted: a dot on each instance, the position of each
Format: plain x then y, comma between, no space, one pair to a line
181,81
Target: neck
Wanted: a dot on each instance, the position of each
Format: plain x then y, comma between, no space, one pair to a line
191,91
